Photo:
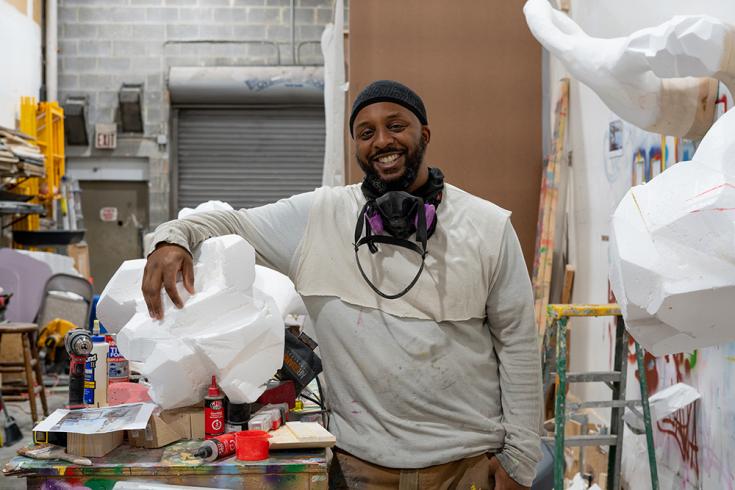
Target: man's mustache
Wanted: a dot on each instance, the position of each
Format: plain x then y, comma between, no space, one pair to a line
386,151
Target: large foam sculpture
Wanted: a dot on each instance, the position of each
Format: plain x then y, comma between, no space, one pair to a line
673,250
672,255
228,328
641,77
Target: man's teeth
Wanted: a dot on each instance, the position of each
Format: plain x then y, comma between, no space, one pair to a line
388,158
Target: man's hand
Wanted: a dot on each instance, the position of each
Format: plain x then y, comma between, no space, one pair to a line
503,481
162,268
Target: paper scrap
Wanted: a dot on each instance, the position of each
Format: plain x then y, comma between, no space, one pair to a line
663,404
130,416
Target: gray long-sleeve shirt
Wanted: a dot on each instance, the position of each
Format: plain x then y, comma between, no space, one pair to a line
409,393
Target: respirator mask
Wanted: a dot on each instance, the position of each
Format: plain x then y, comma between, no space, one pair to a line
391,218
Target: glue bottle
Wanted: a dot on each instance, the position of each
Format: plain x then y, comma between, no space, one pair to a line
117,366
95,370
214,411
217,447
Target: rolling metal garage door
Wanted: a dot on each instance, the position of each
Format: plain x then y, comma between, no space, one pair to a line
247,157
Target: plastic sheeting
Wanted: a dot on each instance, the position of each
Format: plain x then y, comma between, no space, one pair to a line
335,88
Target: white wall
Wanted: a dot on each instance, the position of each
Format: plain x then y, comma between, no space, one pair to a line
704,457
20,68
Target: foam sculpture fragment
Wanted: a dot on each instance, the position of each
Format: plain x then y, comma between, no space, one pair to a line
228,328
663,79
281,289
673,250
204,207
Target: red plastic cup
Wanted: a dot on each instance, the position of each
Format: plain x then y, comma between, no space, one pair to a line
251,445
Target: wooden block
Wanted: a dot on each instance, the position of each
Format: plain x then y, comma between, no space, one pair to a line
301,435
80,253
169,426
572,428
93,445
595,463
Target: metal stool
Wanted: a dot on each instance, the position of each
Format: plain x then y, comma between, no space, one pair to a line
29,365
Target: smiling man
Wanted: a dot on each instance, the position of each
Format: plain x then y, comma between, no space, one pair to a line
421,303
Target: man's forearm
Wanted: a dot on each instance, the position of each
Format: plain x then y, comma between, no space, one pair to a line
274,230
191,231
510,313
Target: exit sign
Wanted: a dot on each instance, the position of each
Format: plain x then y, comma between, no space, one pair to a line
105,136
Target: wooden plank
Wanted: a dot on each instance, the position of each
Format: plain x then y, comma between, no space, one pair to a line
297,435
566,292
566,298
547,218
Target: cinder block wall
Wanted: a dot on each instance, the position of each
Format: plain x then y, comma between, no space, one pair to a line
105,43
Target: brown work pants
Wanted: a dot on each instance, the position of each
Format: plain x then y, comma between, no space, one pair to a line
348,472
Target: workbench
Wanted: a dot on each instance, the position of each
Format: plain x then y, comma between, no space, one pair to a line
174,464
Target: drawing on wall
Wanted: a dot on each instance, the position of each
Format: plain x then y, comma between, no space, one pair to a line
615,138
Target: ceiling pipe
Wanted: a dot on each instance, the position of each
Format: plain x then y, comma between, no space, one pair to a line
52,44
293,32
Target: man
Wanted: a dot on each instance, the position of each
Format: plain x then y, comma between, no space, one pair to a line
428,344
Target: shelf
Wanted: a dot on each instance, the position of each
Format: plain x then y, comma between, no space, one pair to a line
47,237
12,196
15,207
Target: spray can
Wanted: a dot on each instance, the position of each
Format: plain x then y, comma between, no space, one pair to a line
95,370
217,447
214,411
117,365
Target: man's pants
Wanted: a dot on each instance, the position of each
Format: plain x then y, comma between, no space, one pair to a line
349,472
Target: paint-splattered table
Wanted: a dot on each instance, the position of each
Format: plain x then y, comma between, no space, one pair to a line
295,469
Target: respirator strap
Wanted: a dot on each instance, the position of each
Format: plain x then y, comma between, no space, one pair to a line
371,240
389,240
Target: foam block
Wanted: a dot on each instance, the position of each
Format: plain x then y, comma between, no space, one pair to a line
654,78
226,328
116,305
281,289
204,207
672,256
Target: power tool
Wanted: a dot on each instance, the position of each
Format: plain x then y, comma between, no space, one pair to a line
78,345
51,345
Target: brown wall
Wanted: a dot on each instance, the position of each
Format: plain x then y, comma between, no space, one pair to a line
478,70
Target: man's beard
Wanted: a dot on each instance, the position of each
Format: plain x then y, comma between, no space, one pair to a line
410,173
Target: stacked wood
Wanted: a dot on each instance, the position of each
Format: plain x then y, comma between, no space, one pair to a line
19,154
542,264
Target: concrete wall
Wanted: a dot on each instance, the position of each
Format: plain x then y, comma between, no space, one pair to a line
105,43
20,34
695,449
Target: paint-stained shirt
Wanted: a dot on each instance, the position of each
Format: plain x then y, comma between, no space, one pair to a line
409,392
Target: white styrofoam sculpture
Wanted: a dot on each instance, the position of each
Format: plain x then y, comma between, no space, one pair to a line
205,206
281,289
641,77
228,328
673,250
116,305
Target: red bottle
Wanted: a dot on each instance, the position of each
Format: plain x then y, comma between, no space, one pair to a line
214,412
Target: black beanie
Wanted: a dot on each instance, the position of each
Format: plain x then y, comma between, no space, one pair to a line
388,91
